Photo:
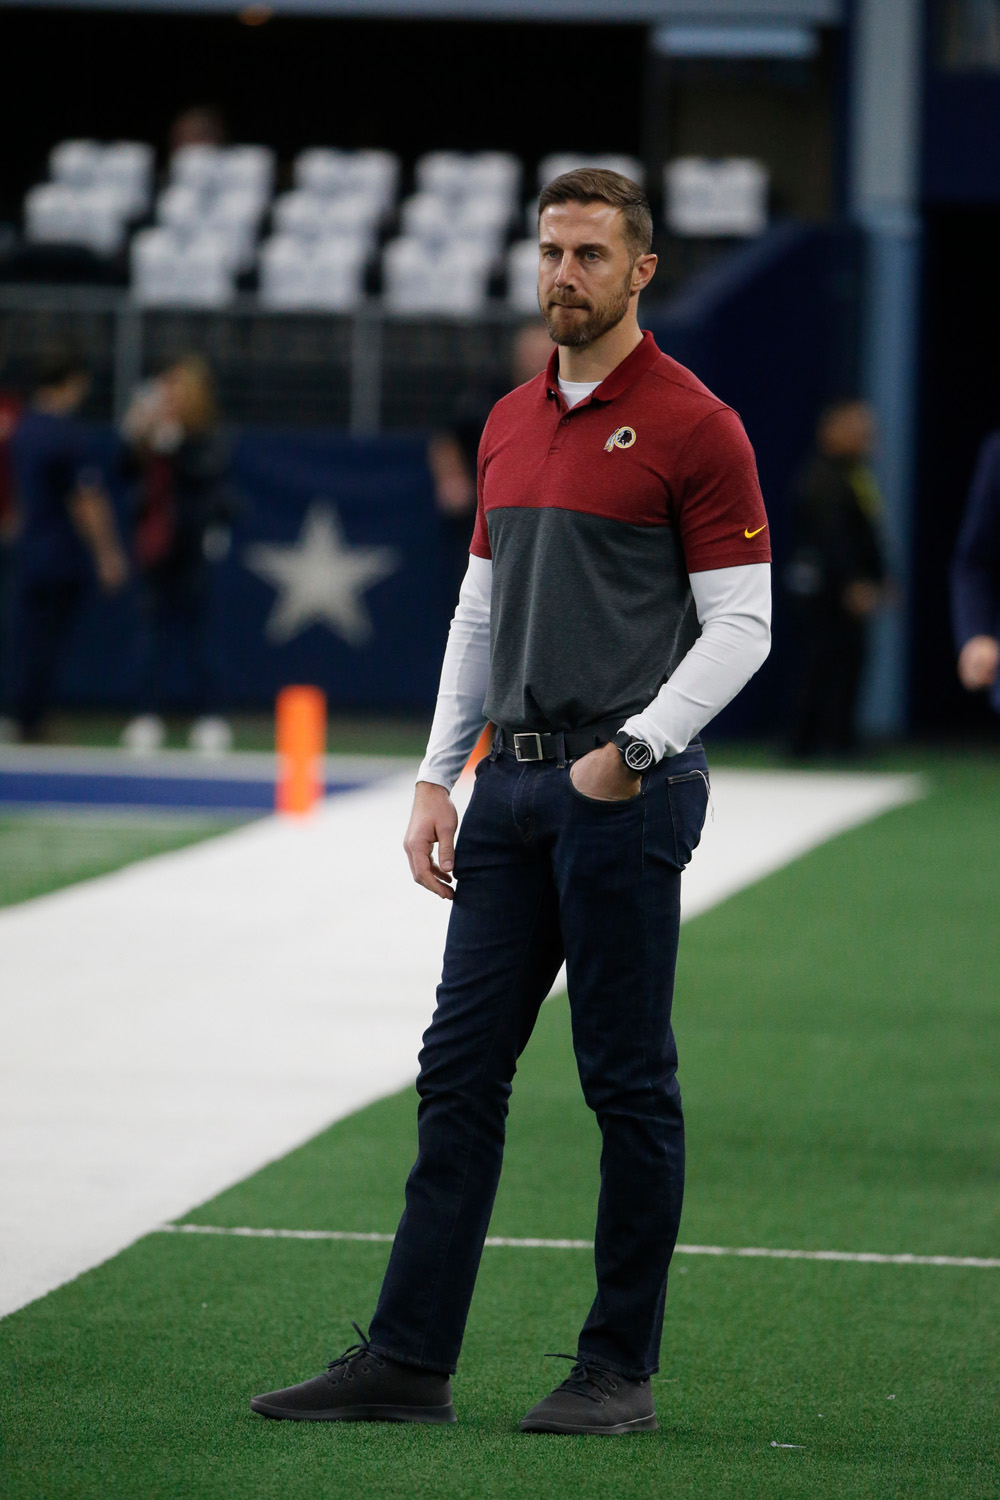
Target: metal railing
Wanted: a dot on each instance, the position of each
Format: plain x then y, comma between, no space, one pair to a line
368,371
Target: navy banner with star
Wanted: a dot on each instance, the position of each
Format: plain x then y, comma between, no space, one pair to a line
339,572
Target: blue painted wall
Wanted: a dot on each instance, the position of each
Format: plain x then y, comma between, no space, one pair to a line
774,332
378,493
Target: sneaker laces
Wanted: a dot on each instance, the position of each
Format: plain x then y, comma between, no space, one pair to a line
341,1368
587,1378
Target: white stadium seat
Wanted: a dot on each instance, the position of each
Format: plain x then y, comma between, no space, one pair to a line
428,217
169,272
56,213
75,163
248,169
439,221
328,173
128,166
95,190
459,174
197,167
705,198
442,173
233,215
180,207
418,278
522,276
324,273
377,173
324,172
309,216
484,217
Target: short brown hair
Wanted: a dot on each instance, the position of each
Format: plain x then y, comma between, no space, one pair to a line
197,392
597,185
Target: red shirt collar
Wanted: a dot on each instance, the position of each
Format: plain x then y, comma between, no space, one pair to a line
642,358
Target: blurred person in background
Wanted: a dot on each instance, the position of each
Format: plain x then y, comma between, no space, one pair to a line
453,453
183,512
66,534
975,579
201,125
10,413
836,578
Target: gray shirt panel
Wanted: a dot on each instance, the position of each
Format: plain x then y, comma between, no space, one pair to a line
589,617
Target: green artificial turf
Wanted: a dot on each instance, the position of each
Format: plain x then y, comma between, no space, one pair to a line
42,852
838,1035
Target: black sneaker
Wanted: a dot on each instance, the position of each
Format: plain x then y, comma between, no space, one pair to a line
362,1386
593,1399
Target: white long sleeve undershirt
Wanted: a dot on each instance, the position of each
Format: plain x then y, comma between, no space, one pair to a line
734,611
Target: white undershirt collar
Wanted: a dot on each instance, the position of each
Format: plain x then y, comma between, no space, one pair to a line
575,391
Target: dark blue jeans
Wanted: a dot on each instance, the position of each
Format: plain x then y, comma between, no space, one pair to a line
173,639
45,612
543,872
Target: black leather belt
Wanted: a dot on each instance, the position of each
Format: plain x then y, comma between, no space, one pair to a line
526,744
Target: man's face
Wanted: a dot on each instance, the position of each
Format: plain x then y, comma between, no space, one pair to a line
849,431
586,274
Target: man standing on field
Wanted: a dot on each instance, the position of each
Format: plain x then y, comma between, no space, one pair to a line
617,598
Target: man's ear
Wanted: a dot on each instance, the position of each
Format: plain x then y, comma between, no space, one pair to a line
642,272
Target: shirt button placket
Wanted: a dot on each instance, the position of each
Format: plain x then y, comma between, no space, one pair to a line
556,443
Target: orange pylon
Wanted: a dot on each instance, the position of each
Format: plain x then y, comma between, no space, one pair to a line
483,746
300,739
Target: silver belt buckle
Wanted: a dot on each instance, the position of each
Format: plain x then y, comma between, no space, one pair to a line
521,749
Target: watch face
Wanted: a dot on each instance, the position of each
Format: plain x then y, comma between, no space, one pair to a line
638,756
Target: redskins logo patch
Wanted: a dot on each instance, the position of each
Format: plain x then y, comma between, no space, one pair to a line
622,437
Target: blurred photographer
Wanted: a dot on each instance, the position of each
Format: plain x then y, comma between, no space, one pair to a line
836,579
183,511
66,534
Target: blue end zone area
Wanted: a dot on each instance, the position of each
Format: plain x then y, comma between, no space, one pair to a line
169,782
46,788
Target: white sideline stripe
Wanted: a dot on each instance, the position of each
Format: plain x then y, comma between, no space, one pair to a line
169,1028
861,1257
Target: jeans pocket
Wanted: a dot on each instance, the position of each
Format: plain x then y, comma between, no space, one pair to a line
602,801
687,796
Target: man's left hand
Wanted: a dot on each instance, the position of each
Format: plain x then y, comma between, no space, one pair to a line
603,775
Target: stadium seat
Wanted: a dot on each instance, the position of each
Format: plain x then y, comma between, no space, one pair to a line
95,190
522,276
420,278
248,169
170,272
705,198
56,213
310,216
459,174
324,273
128,166
428,217
438,221
485,217
197,167
567,161
233,215
75,163
328,173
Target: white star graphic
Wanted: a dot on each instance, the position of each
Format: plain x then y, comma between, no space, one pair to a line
320,579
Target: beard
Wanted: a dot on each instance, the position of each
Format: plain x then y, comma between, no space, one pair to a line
596,322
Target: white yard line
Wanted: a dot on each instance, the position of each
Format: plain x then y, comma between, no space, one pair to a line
860,1257
170,1028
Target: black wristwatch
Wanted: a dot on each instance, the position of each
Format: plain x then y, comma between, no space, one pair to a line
636,754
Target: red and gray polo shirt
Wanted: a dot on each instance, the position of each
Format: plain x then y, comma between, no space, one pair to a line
594,518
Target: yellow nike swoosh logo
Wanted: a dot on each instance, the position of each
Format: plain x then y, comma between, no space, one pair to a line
749,534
